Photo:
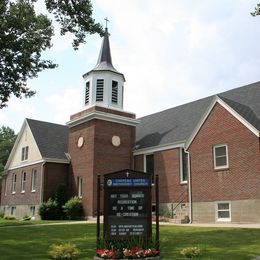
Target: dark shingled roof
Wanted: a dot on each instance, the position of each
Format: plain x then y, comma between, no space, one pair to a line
177,124
51,139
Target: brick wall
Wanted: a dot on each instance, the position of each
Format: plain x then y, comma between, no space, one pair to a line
98,155
241,180
27,197
54,175
167,166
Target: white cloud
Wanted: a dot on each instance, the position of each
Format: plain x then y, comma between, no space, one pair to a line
65,104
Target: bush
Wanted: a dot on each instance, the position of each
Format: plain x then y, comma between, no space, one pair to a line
49,210
73,208
191,252
2,213
61,197
64,251
9,217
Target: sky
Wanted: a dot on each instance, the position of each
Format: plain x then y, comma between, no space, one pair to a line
171,52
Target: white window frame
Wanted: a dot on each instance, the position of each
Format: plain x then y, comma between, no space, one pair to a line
80,187
181,168
14,179
25,152
23,181
33,180
227,159
217,211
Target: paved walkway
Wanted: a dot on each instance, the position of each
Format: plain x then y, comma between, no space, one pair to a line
94,220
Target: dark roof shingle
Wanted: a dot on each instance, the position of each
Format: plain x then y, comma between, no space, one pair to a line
51,139
177,124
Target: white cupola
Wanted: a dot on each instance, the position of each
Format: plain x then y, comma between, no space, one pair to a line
104,85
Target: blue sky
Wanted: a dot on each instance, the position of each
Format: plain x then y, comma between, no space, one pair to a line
171,52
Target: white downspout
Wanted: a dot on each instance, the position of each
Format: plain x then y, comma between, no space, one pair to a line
189,188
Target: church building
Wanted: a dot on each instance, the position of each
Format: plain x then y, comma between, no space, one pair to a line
206,153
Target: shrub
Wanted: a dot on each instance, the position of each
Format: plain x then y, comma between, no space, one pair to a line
2,213
73,208
61,197
49,210
191,252
64,251
9,217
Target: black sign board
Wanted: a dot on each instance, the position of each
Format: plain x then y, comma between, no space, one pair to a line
127,205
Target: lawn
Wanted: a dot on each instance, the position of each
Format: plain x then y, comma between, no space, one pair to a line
32,242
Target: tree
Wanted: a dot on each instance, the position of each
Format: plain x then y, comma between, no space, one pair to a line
24,35
257,10
7,139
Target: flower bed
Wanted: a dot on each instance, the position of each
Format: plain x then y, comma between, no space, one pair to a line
133,253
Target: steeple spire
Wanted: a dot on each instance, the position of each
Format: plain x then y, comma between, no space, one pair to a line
104,59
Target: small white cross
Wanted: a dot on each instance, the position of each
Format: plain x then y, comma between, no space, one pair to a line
127,174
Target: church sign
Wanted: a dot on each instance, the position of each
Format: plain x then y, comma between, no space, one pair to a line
127,205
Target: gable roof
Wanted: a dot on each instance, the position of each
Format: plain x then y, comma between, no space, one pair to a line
51,139
176,124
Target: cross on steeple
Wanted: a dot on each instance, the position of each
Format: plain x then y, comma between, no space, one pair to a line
106,19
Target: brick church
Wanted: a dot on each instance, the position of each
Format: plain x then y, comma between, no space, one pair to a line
206,153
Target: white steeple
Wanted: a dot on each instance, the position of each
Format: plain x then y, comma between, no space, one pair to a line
104,85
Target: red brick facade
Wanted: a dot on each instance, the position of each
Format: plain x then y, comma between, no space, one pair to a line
52,175
21,198
241,181
167,166
98,155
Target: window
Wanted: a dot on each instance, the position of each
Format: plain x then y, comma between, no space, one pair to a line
183,166
80,187
223,211
149,165
32,211
25,153
114,92
33,180
13,183
220,156
87,93
23,180
13,210
100,90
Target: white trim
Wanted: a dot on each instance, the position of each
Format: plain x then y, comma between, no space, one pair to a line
239,117
33,180
217,211
54,160
181,167
50,160
104,116
214,157
159,148
215,100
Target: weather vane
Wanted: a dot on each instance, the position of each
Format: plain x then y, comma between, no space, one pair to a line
106,19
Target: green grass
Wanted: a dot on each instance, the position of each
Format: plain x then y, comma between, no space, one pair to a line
32,242
5,223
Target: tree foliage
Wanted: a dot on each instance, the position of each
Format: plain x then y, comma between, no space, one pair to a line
24,35
7,139
257,10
